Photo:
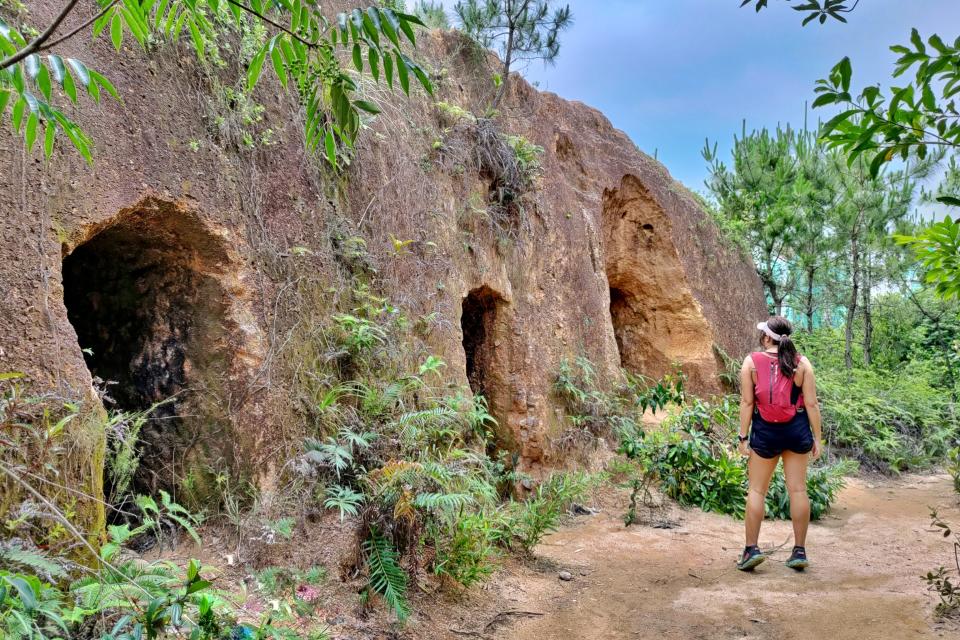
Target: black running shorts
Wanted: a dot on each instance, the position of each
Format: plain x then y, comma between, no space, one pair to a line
770,439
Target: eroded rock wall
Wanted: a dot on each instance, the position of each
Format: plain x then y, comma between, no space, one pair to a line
614,260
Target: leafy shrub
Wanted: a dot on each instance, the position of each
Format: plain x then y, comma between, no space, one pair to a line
823,484
465,548
901,413
945,582
693,459
889,421
528,157
525,523
694,470
126,599
593,411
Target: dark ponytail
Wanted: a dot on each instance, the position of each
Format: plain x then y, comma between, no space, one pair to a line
786,350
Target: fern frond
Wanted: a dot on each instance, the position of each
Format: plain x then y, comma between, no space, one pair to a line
436,415
36,561
386,576
442,501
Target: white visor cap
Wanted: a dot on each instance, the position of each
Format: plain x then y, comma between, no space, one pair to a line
762,326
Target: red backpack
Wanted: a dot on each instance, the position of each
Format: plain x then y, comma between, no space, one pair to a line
776,395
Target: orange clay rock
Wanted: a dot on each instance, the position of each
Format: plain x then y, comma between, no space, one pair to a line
201,255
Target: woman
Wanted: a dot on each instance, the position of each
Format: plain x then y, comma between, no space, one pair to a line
779,418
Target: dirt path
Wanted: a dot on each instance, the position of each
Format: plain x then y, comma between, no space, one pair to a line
677,583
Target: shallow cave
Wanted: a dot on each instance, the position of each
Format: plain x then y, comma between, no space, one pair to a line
479,322
621,315
148,315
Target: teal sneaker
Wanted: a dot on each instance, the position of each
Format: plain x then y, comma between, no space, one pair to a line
798,559
752,557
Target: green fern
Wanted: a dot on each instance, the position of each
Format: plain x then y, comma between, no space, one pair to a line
442,502
436,415
36,561
386,576
345,499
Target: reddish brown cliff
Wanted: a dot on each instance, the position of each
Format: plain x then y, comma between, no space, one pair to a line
200,243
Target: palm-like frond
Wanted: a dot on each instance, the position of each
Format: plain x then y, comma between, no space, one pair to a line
345,499
445,502
386,576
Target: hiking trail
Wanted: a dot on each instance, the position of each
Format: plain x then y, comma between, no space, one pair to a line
868,555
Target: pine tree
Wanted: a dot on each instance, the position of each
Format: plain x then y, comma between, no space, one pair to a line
522,30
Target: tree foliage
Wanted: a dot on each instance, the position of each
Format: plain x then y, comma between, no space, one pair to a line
522,30
904,121
432,14
913,122
302,52
820,10
776,194
938,248
818,227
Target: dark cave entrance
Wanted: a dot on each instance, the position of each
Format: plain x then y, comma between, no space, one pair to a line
484,324
479,324
143,297
620,315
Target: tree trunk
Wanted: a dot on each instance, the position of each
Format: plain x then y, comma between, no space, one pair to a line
867,314
770,284
505,73
852,304
778,305
811,271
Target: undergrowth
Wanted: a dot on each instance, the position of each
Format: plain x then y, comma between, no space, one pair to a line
405,461
410,465
690,457
693,458
397,455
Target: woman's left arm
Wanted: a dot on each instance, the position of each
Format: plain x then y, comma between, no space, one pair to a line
746,404
812,405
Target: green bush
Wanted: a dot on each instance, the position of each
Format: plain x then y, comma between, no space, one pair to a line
823,484
525,523
693,458
888,421
126,599
900,414
465,549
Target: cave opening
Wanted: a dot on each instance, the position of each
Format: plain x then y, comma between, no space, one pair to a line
621,316
478,323
143,297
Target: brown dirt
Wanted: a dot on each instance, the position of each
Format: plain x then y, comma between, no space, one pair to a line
678,583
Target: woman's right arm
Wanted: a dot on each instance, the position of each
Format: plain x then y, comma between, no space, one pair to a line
746,401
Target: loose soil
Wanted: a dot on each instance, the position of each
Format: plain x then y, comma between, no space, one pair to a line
644,582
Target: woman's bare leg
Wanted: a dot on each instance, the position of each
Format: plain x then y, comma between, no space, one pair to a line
795,473
760,471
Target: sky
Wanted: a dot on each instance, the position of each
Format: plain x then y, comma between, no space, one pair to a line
673,73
